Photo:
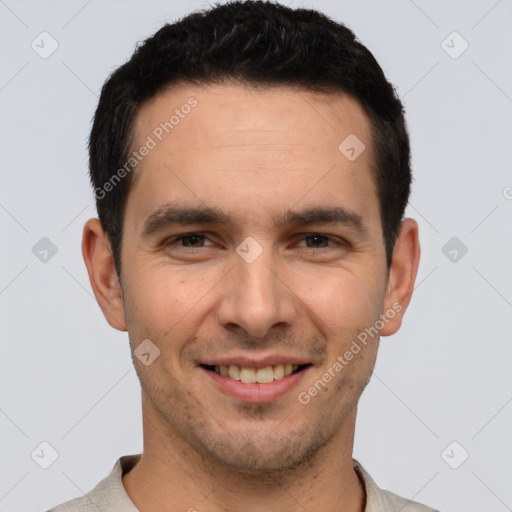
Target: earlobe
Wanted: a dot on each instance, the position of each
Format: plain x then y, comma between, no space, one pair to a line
402,276
105,284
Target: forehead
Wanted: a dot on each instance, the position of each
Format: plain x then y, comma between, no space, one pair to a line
256,147
219,110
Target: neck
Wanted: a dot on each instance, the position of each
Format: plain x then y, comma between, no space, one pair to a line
171,475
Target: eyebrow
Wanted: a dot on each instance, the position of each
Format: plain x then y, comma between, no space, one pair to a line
322,215
175,214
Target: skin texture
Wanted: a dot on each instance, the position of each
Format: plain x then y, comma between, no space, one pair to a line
254,153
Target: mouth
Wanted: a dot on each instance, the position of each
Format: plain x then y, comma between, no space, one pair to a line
250,375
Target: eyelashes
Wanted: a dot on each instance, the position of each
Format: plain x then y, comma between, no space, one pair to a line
193,239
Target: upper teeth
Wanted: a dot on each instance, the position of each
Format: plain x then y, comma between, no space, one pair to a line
260,375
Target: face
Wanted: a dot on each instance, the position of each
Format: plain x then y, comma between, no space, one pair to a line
252,248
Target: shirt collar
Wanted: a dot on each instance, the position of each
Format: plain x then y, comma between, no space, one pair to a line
377,500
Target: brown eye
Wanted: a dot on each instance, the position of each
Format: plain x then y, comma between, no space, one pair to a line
319,241
192,240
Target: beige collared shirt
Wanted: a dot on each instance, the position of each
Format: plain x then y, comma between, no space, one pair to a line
110,496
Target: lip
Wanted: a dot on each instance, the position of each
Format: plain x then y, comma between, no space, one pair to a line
255,392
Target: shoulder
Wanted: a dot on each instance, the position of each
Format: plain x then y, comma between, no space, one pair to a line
83,504
109,494
379,500
398,503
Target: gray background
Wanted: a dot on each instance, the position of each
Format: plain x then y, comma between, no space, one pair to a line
66,377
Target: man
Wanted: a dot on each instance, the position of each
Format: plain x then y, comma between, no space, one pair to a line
251,167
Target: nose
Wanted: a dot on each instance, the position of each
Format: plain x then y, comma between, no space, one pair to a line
256,297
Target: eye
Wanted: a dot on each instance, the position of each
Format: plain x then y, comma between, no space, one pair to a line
192,240
319,241
309,241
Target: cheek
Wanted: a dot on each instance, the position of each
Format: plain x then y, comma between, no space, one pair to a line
162,301
342,301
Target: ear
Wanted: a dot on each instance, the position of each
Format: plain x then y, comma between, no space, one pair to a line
402,276
105,284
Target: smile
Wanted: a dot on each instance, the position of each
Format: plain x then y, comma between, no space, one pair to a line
249,375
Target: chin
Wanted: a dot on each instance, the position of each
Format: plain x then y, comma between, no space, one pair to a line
262,454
